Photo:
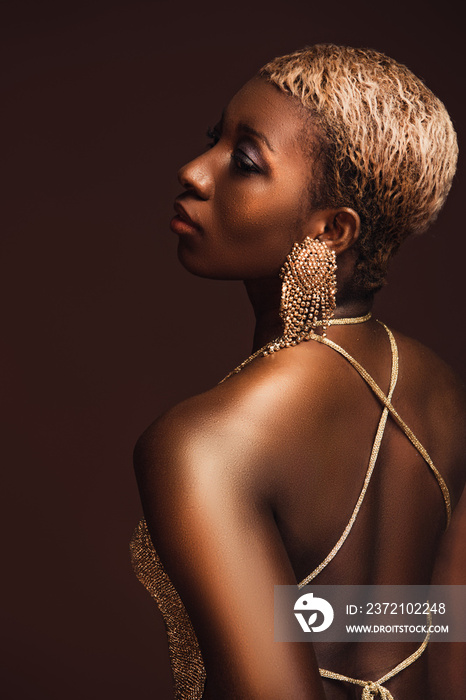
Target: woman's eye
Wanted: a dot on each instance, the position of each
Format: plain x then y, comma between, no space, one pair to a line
213,135
243,163
240,160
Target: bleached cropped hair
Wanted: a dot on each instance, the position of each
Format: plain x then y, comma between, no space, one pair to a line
386,145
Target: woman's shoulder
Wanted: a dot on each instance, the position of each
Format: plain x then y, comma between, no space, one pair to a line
235,423
424,369
434,396
215,446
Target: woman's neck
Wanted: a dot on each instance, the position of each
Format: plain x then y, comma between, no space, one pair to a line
265,297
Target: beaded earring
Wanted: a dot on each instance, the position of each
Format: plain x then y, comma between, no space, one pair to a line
308,291
308,297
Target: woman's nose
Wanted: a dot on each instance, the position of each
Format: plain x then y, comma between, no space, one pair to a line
197,177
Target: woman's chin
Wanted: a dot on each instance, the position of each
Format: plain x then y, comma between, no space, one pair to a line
199,265
194,263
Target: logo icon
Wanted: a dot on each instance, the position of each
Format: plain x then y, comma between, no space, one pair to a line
310,604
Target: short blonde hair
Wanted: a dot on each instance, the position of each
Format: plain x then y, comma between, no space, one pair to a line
387,147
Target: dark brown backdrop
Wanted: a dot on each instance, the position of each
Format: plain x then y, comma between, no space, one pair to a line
102,329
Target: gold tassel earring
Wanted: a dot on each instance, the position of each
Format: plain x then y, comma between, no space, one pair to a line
308,297
308,290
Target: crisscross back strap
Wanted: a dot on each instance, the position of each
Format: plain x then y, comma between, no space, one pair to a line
376,689
386,401
370,468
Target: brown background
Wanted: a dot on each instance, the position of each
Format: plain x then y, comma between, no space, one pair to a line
101,328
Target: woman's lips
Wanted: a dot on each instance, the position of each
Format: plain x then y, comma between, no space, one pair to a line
182,222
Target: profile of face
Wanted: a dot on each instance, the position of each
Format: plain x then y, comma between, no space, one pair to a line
246,200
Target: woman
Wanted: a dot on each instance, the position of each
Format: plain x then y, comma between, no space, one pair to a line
329,154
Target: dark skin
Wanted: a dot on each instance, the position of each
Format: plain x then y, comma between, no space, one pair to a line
251,483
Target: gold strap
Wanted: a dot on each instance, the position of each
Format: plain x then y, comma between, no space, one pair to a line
347,321
396,417
374,689
274,344
370,468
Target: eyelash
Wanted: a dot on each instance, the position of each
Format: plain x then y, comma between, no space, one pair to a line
243,163
246,166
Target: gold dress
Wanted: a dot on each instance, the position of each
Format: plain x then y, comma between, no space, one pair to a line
185,655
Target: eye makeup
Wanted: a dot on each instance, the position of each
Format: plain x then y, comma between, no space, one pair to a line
247,156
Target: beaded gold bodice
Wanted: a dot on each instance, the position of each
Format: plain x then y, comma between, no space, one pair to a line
185,655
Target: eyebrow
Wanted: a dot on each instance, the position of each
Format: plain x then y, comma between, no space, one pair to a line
258,134
242,126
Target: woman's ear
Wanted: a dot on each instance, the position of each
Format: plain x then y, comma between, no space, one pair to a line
338,228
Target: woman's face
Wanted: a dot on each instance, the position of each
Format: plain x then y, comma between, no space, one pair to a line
246,199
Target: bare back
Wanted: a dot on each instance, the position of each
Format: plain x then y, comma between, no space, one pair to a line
323,432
